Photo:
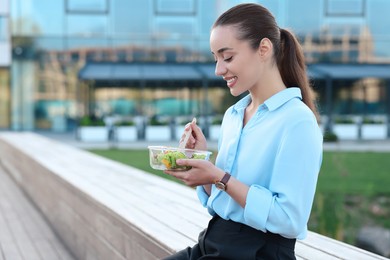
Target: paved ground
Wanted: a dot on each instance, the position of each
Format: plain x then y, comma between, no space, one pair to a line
24,233
69,138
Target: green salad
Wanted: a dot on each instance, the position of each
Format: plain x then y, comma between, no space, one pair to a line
168,158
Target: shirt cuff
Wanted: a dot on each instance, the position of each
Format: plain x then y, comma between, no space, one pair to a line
202,195
257,208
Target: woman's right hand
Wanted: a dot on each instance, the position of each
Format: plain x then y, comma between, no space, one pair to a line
197,140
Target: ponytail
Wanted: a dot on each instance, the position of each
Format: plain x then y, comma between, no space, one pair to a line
292,67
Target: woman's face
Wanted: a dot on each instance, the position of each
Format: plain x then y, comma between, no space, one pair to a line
236,61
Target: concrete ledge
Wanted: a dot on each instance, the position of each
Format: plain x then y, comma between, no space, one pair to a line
102,209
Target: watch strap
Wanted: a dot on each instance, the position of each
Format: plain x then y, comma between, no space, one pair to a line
225,178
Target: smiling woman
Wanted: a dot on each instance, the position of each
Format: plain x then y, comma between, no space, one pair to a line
262,185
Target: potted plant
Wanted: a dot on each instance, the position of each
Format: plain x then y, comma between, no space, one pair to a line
92,130
346,128
330,137
158,130
374,128
125,131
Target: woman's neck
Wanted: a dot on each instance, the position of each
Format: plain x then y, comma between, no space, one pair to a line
268,87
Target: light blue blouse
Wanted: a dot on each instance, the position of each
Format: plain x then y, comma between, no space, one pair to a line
278,154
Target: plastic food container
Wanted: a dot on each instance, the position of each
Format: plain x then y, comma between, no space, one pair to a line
164,158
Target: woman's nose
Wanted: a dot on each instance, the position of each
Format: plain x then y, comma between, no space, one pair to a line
220,69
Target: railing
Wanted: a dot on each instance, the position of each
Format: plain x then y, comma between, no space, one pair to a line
102,209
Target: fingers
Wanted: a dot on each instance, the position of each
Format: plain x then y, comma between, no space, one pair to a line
196,130
183,176
201,172
188,127
194,163
196,140
190,142
199,140
184,162
189,139
177,174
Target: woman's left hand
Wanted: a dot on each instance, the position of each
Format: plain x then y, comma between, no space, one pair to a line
202,172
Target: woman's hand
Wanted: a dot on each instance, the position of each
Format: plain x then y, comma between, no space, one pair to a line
205,173
202,172
197,140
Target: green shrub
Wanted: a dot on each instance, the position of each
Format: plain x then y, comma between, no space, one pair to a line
155,121
89,121
330,137
216,121
124,123
372,121
344,121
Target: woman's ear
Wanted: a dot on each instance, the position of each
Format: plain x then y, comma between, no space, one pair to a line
265,48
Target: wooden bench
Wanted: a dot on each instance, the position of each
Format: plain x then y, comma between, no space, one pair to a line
102,209
24,233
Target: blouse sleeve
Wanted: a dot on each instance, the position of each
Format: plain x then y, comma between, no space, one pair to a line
204,198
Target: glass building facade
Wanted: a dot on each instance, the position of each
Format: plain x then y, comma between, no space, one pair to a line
44,44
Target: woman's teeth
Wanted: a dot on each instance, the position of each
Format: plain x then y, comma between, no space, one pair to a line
231,80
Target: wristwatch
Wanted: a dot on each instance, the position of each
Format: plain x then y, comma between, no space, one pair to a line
222,184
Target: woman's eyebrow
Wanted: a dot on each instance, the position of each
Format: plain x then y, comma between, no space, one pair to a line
223,49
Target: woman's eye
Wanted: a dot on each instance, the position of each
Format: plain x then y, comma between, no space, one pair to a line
228,59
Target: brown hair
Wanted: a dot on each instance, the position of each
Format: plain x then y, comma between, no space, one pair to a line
254,22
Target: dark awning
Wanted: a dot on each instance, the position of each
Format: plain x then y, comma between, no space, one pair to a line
195,72
208,71
349,71
145,71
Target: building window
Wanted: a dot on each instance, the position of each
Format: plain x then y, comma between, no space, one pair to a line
4,7
86,6
87,25
342,8
170,26
86,18
3,29
175,7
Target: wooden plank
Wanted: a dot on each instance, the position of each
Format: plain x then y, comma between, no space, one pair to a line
162,211
46,249
5,233
308,252
23,227
29,217
11,251
27,249
337,248
1,253
10,202
62,252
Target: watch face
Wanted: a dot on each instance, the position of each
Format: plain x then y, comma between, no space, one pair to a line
220,186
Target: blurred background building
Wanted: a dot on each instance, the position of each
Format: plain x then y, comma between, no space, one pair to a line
61,60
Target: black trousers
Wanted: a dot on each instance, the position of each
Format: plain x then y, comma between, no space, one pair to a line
226,239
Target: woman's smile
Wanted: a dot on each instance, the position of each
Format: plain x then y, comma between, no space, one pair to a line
231,81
